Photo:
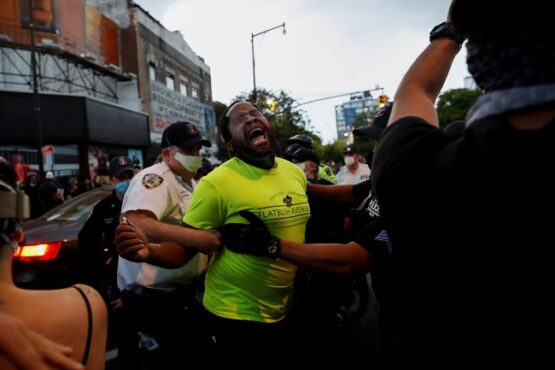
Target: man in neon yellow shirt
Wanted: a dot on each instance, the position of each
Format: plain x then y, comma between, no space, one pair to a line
248,297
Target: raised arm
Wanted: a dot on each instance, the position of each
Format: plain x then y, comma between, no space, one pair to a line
423,81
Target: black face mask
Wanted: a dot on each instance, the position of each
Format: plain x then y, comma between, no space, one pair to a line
265,161
369,158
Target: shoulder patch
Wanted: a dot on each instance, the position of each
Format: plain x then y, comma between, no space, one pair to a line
152,180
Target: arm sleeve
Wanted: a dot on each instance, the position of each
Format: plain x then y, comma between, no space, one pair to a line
361,191
139,197
409,152
374,238
207,209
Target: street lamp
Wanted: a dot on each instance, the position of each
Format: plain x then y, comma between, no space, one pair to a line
253,35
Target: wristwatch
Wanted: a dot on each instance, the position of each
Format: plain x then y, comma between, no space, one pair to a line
447,30
273,247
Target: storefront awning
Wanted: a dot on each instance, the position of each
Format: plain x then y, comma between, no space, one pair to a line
70,119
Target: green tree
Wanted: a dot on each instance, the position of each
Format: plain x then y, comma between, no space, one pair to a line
453,104
332,152
363,144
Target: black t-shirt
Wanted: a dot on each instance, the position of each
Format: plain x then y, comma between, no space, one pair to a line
471,224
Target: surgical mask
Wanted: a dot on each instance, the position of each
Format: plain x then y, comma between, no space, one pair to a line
121,187
349,160
301,165
190,162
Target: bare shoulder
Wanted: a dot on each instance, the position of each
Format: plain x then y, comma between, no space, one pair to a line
99,326
98,307
62,316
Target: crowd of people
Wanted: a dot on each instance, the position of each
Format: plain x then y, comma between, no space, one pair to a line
442,238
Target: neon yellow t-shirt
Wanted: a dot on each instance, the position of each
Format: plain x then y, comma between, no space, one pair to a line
240,286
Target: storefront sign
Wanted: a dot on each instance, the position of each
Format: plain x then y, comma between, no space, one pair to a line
169,106
47,149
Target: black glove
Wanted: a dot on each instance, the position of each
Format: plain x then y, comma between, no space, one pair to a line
253,238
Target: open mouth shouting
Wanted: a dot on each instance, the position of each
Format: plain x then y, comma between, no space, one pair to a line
257,138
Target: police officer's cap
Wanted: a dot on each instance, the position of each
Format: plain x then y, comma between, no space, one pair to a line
183,135
119,165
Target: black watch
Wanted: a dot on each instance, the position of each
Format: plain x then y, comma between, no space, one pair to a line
447,30
273,247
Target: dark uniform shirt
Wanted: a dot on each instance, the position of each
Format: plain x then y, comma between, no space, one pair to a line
96,243
470,221
337,316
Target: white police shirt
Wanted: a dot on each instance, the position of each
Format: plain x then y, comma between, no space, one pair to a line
345,177
157,189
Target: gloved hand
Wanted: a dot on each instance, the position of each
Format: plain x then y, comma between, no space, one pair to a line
253,238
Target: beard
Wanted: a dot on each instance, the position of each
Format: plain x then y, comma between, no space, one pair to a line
261,159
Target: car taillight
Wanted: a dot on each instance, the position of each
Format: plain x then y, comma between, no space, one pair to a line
37,252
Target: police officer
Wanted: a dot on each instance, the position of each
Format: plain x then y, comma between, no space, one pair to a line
353,172
96,238
159,303
305,141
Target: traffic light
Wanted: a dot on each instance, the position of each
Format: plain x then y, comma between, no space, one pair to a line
383,100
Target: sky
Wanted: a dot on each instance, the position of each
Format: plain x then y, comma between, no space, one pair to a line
331,47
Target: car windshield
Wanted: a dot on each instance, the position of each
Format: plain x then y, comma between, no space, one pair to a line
80,206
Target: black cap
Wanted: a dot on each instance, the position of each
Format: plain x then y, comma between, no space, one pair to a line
376,128
350,150
183,135
304,154
119,165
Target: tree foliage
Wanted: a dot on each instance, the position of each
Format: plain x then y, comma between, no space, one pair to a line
363,144
219,109
332,153
453,104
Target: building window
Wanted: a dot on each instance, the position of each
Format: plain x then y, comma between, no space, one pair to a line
194,92
207,97
170,82
183,87
43,14
151,71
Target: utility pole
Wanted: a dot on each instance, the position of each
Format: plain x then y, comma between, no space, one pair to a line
253,35
36,100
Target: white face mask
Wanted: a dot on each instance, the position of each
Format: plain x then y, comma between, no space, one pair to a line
190,162
301,165
349,160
